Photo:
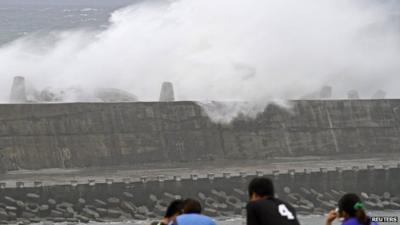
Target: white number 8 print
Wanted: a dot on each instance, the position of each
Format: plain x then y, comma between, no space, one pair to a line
284,211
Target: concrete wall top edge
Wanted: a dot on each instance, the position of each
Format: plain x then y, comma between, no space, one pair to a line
187,177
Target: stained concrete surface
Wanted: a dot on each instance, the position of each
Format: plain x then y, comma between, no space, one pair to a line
81,135
169,170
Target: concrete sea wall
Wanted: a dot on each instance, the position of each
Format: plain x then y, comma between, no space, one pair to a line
317,128
34,136
222,195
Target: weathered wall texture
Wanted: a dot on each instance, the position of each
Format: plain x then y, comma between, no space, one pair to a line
96,134
318,127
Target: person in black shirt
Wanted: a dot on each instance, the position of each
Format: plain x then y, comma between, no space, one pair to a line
264,208
174,209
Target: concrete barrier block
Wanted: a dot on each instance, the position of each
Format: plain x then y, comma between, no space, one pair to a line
109,181
74,183
259,173
242,174
226,175
167,92
92,182
177,178
211,176
194,176
385,167
20,184
126,180
3,185
37,184
275,173
355,168
161,178
323,170
291,172
370,167
143,179
18,90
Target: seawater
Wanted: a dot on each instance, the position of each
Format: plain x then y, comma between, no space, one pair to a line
25,17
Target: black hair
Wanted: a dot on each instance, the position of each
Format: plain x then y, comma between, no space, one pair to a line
191,206
262,186
174,208
352,205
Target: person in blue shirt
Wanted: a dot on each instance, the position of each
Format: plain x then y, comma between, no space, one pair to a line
351,210
192,215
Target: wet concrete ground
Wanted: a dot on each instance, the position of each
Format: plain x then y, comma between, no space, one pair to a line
152,171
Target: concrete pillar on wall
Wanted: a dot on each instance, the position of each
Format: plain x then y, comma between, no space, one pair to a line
92,182
210,177
126,180
37,184
74,183
243,180
226,175
371,178
353,94
339,179
387,176
195,182
109,181
20,184
292,178
324,178
128,183
276,180
160,180
178,181
355,170
177,178
275,175
379,95
18,90
194,177
307,177
167,92
144,181
325,92
394,178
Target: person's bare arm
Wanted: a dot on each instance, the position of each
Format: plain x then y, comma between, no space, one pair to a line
331,217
